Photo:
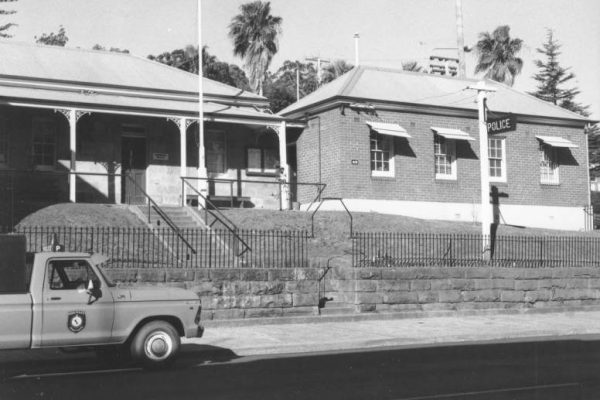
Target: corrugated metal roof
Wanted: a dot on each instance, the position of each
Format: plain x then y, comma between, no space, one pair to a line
449,133
392,85
555,141
386,128
103,68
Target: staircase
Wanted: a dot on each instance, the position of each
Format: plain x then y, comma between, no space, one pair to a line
196,245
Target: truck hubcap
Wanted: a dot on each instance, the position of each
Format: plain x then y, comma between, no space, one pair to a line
158,346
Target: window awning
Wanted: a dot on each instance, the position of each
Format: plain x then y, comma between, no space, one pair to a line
455,134
556,141
386,128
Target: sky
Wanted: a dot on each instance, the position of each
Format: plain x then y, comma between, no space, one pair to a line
391,31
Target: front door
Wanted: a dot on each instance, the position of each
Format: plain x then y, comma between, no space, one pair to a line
133,159
70,315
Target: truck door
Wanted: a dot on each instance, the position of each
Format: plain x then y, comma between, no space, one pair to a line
71,316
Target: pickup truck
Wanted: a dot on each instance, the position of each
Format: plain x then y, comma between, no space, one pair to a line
66,300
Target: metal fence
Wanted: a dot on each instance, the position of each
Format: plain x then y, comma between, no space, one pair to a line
153,248
411,249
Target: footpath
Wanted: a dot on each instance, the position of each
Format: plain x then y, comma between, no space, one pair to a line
263,337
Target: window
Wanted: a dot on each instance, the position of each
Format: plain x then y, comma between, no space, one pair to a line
445,158
3,144
70,274
44,143
548,165
261,161
215,152
382,155
497,157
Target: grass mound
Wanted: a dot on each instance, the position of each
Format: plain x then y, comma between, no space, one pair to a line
82,215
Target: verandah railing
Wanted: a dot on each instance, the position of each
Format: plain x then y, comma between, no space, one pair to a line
153,248
449,250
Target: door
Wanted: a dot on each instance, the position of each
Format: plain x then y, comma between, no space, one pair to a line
133,159
71,316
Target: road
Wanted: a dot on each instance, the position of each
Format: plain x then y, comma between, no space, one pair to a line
546,370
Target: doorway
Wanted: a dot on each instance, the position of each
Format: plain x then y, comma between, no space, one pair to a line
133,159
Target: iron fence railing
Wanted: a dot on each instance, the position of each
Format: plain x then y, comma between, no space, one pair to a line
415,249
153,248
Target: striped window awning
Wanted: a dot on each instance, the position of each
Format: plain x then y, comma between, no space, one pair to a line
454,134
386,128
556,141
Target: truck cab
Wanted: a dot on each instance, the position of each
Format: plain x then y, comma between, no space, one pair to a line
65,299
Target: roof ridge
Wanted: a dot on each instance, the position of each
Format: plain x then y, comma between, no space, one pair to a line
353,77
547,103
68,48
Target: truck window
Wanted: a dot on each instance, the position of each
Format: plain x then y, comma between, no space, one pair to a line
69,274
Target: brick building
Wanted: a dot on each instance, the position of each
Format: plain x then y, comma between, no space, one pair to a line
406,143
74,123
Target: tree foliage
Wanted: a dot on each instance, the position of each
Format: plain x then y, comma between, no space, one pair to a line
497,55
5,27
552,77
412,66
334,70
54,39
254,33
187,59
280,87
113,49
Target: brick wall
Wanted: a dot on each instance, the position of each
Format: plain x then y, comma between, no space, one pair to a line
345,137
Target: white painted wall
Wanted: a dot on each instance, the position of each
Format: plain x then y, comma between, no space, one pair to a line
564,218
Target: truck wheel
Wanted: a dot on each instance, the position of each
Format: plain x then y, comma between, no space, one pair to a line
155,344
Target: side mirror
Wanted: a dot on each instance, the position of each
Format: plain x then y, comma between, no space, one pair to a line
93,289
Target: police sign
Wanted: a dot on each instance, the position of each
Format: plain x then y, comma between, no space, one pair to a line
499,125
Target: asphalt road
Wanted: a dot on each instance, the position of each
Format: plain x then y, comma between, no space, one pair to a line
532,370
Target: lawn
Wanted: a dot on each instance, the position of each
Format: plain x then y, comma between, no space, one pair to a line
332,234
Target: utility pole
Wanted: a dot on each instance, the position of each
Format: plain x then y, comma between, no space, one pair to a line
297,82
356,38
486,207
319,60
460,41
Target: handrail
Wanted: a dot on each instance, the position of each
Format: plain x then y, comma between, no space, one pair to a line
320,186
312,216
161,213
219,216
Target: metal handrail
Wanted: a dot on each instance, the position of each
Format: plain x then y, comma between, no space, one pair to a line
312,216
320,186
218,216
153,205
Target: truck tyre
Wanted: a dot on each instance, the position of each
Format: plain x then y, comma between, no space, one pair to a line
155,344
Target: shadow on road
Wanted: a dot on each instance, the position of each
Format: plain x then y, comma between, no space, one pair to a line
549,370
23,363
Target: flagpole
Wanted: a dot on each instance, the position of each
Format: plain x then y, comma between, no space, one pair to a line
202,173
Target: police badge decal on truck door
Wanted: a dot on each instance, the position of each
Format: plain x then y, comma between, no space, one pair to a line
76,321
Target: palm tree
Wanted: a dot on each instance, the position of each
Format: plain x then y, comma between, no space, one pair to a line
334,70
254,33
497,55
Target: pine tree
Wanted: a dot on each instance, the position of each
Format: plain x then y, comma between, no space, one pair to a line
552,77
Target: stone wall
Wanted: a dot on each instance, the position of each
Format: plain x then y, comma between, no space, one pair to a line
475,288
250,293
236,293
